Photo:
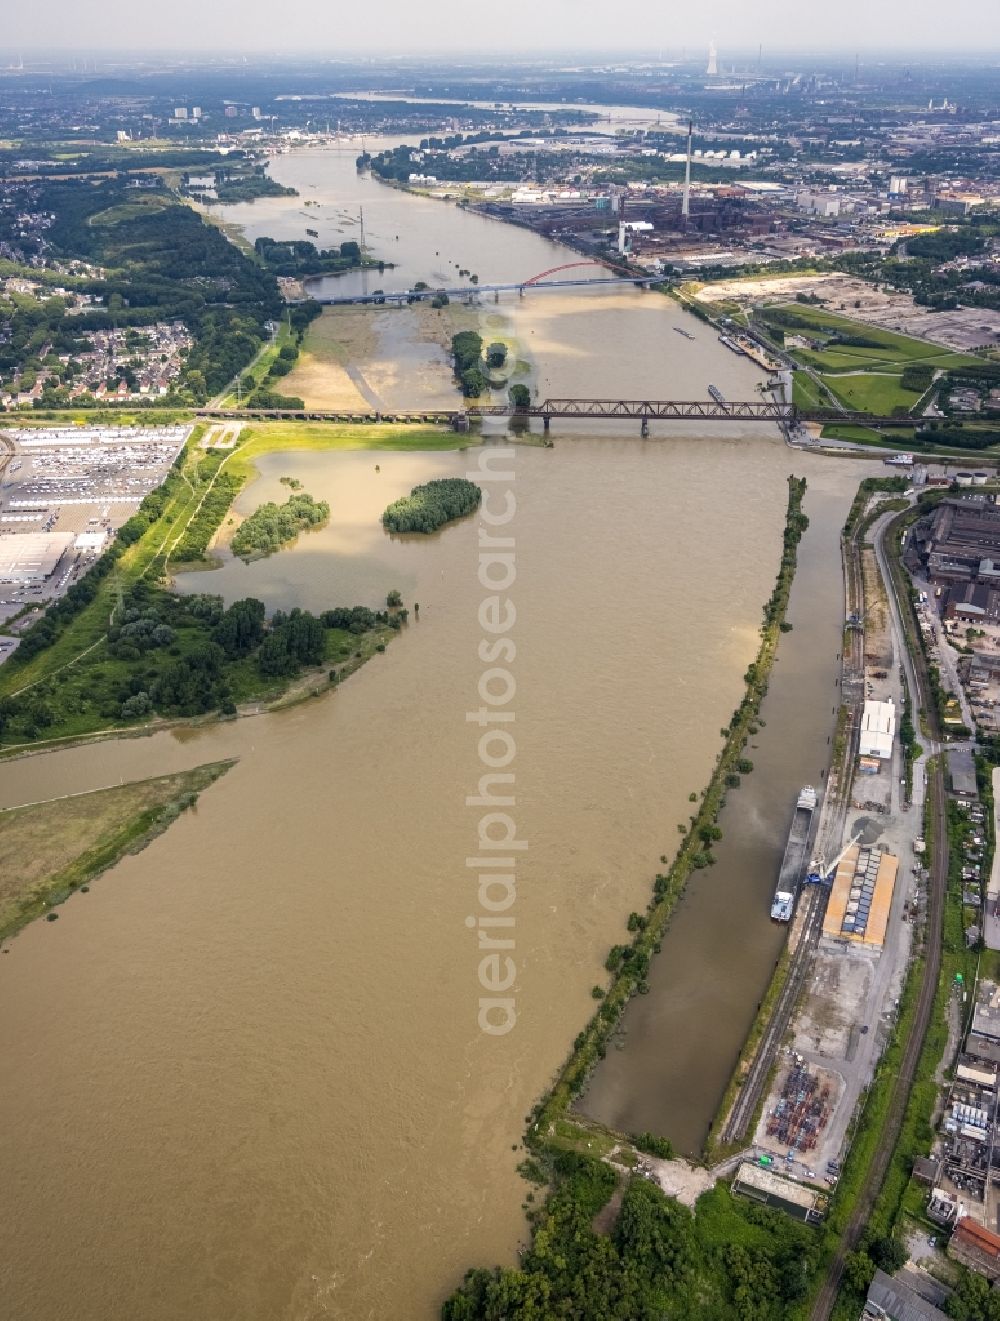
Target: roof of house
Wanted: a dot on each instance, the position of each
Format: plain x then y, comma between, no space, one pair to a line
962,771
899,1302
973,1235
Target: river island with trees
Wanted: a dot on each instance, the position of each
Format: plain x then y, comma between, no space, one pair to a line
272,526
432,505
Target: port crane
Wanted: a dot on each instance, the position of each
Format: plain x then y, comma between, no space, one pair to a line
821,874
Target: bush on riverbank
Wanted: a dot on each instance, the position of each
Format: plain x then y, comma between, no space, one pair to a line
470,367
726,1261
867,488
431,505
193,546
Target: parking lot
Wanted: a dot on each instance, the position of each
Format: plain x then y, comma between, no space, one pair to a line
75,483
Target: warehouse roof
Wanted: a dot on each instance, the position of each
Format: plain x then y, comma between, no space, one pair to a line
31,556
879,718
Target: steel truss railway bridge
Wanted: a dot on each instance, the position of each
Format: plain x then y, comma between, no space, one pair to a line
643,411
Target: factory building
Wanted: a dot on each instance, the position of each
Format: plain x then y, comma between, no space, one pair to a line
878,728
89,543
861,897
771,1189
31,557
976,1248
959,539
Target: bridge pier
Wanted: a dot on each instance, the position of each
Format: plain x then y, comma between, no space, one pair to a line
546,419
644,430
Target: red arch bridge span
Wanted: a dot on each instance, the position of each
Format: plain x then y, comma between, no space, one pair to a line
574,266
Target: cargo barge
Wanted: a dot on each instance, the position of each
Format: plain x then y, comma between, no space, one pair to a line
716,394
796,858
749,348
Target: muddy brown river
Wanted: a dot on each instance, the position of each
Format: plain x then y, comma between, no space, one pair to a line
243,1077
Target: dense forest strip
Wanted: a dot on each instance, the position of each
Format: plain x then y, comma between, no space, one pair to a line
49,850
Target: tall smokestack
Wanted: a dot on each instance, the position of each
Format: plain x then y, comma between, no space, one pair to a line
686,204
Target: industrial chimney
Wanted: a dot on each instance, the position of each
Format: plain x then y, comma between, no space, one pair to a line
686,204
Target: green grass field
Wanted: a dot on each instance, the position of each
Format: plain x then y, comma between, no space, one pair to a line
892,346
805,392
141,206
860,435
863,377
872,392
48,850
259,438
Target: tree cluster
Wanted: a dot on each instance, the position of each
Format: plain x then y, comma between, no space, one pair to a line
300,257
185,656
272,525
467,354
727,1261
433,504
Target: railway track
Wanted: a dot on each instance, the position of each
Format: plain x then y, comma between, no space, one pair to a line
746,1103
815,898
876,1172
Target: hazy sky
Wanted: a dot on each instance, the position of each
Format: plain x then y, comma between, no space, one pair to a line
399,26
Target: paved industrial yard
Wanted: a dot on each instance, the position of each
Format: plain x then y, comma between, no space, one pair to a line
963,329
63,493
845,1017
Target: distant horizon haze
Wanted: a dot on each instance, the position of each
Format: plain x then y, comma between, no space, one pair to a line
387,28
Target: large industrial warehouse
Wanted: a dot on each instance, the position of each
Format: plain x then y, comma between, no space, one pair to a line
878,727
861,897
31,557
